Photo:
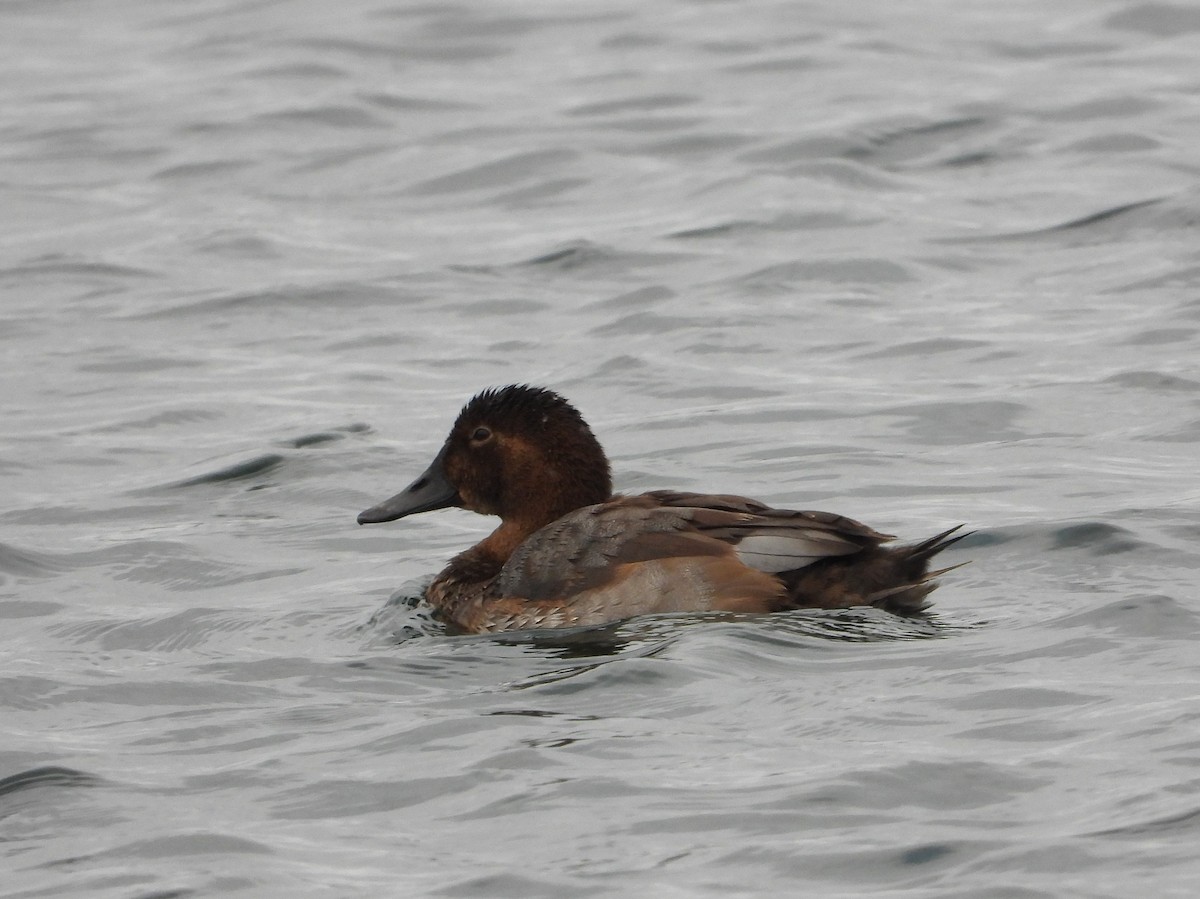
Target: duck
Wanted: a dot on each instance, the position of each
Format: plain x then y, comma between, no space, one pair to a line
568,552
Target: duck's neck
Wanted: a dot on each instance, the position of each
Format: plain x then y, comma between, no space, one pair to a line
565,487
503,542
479,566
482,563
469,577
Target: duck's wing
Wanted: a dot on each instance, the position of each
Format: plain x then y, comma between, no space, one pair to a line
772,540
585,549
734,540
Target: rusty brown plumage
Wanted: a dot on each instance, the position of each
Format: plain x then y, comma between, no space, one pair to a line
568,553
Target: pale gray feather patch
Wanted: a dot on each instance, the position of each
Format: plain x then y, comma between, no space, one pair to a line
777,550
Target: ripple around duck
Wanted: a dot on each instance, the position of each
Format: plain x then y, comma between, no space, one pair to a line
138,364
639,103
750,639
1162,337
830,271
59,266
184,845
1147,615
925,348
330,116
1099,537
1157,19
1094,538
320,438
500,173
403,617
170,564
238,471
180,631
917,142
812,221
28,563
221,305
47,776
1177,278
642,323
1153,381
396,102
584,254
957,423
1186,823
1154,215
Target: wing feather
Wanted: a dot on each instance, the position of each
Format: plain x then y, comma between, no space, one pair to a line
775,551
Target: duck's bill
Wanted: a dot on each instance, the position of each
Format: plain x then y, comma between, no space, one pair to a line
428,492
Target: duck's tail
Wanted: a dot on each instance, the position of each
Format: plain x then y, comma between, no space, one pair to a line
911,567
897,580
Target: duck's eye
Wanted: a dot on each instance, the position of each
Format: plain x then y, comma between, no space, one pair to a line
481,435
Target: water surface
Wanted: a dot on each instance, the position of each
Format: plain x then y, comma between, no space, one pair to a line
915,264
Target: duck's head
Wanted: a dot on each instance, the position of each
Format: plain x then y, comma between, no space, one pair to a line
523,453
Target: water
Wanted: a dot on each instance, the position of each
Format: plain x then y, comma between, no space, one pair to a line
918,264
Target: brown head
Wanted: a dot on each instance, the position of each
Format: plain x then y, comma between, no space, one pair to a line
523,453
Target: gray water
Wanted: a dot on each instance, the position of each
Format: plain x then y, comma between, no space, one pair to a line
919,264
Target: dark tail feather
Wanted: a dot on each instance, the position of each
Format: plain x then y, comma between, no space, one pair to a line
935,544
908,598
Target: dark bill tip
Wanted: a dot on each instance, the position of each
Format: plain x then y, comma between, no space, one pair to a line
428,492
